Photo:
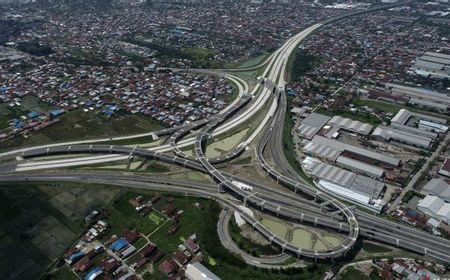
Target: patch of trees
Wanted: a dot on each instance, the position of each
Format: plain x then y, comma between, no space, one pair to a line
303,62
35,48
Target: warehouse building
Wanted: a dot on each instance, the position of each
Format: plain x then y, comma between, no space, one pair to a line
197,271
441,108
433,127
414,130
360,167
439,188
435,207
321,151
387,134
419,93
348,185
311,125
433,65
351,125
406,117
445,168
362,154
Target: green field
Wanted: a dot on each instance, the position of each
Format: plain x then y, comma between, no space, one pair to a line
357,116
123,216
352,274
65,273
7,113
80,125
378,105
39,221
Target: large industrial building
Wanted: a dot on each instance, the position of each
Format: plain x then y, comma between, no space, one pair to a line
432,127
384,133
331,149
351,125
445,168
411,128
197,271
433,65
432,99
345,184
406,117
311,125
439,188
361,167
435,207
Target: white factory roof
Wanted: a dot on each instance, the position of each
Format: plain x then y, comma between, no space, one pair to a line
360,166
431,203
436,57
401,117
328,172
307,131
311,125
414,130
317,120
444,212
389,133
346,179
341,146
436,54
197,271
435,207
438,187
435,126
341,191
427,62
419,93
322,151
352,125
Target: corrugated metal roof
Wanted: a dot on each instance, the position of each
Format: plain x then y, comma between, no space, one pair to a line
360,166
352,125
401,117
307,131
316,120
357,183
354,149
322,151
438,187
388,133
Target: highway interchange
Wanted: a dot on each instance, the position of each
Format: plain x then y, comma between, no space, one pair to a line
300,202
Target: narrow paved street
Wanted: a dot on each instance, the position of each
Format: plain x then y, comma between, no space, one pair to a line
416,176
